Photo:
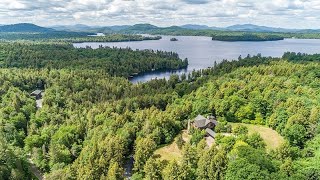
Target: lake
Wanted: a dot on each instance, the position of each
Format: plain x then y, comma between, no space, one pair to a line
202,51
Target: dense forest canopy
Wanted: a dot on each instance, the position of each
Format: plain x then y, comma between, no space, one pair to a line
246,37
116,62
91,122
72,37
218,34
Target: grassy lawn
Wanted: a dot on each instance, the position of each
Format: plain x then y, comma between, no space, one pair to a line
171,151
270,136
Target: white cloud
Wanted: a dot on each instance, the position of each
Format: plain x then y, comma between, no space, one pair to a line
285,13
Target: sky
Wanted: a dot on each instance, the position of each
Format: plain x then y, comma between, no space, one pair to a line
221,13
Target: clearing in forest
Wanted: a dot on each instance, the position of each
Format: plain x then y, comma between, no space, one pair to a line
171,151
271,137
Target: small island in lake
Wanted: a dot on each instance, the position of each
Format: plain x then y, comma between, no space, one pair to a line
173,39
247,37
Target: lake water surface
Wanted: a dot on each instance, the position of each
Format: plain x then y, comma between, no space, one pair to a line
202,51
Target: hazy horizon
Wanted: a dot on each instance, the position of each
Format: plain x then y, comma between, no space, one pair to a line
107,25
293,14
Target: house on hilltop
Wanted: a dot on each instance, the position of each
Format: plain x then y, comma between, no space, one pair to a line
207,124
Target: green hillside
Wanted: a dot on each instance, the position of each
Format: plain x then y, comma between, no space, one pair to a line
24,27
92,122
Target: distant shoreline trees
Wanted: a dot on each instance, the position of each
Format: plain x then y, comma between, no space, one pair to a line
247,37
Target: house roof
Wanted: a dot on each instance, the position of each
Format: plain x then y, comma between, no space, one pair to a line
202,122
199,117
211,132
36,92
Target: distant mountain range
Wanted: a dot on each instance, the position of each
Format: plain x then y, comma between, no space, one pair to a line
24,27
86,28
196,27
144,28
77,27
256,28
249,28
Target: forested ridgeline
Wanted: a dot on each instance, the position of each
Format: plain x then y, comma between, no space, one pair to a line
76,37
32,32
71,37
300,57
260,36
117,62
111,38
91,122
247,37
80,107
220,34
282,95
